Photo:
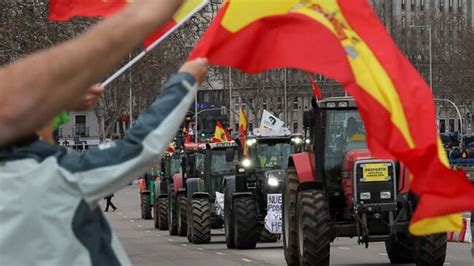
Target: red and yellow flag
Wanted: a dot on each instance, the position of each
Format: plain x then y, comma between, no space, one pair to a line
345,41
243,129
63,10
220,134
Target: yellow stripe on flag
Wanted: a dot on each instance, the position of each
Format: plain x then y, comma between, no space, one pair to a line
433,225
186,8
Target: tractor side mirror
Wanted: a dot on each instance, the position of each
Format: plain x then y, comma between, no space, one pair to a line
229,155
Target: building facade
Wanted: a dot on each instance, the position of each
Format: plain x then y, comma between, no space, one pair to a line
81,132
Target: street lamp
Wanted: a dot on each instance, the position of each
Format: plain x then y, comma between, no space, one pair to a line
431,50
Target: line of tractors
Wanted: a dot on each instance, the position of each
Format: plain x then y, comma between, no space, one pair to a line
309,191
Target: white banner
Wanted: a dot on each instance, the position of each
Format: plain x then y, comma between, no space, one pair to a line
273,220
270,124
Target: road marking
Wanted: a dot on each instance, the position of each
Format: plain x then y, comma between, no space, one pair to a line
158,235
247,260
125,217
139,225
148,231
120,213
383,254
132,221
171,240
201,249
344,248
184,245
220,253
447,263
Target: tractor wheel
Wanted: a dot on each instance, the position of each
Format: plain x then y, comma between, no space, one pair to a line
228,217
245,223
430,250
146,207
266,236
182,214
200,221
290,233
163,213
400,250
314,235
172,215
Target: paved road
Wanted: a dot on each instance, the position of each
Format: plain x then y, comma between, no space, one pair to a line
148,246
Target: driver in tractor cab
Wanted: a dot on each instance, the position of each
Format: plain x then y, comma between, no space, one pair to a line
269,159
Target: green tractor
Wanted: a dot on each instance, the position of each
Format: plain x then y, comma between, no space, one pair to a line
338,189
146,184
205,166
170,166
252,198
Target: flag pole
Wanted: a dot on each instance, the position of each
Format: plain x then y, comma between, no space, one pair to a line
130,93
152,46
231,117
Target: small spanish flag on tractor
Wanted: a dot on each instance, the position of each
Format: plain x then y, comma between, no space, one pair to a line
243,129
220,134
345,41
63,10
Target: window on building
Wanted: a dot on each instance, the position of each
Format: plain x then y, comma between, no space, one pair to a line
451,125
80,126
295,127
460,4
279,103
450,4
250,129
413,4
264,104
404,2
441,4
404,23
422,4
296,104
442,126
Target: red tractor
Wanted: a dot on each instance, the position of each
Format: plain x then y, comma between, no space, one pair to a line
337,189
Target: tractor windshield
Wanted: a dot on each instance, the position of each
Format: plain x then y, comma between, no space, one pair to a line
344,131
219,163
175,166
273,156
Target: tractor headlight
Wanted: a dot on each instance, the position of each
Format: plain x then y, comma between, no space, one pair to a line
241,170
365,195
385,195
273,181
246,163
251,142
297,140
307,141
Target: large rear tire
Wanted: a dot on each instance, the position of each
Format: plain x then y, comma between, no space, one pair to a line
314,235
162,213
156,214
172,215
430,250
400,250
182,215
245,222
146,206
228,217
200,221
290,233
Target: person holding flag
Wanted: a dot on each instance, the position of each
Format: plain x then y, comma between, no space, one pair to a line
61,223
50,80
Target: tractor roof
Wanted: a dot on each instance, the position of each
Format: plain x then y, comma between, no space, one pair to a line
209,146
346,102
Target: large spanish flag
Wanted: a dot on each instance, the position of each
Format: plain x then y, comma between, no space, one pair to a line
345,41
63,10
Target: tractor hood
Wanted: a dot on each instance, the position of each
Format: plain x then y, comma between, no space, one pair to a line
353,156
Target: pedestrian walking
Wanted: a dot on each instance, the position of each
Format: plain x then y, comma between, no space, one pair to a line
61,223
109,203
